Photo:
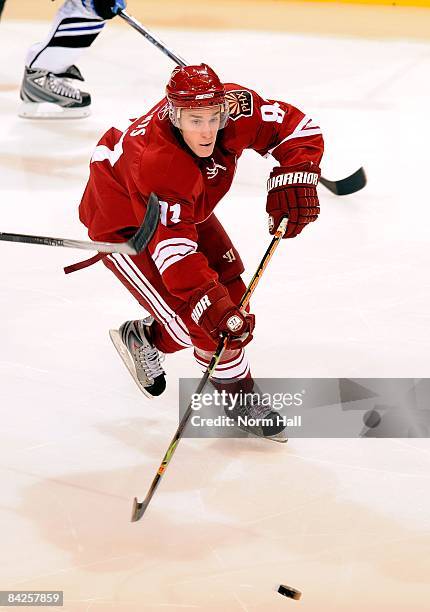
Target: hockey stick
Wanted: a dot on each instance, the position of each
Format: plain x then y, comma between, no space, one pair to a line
135,245
152,38
140,507
345,186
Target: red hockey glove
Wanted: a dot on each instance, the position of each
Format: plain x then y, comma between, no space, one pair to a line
292,193
216,314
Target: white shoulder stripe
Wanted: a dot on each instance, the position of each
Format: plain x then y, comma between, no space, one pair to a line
306,127
102,152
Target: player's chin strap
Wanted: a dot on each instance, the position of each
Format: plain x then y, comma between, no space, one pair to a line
140,507
350,184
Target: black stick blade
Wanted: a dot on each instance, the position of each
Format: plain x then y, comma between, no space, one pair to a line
349,184
145,232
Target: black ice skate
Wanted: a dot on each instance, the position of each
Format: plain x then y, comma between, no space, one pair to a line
256,418
133,341
52,96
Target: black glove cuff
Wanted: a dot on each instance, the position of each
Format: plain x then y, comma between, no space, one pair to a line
103,8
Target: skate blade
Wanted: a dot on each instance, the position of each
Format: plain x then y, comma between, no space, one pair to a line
47,110
280,437
127,360
277,438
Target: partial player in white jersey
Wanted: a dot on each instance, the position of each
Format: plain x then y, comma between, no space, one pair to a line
48,89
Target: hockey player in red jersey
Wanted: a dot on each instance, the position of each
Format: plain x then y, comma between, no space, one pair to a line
185,150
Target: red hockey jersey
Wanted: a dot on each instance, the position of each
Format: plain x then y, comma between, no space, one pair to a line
150,156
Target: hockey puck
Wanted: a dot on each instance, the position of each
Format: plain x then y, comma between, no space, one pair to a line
372,419
289,592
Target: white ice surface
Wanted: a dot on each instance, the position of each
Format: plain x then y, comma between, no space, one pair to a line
345,521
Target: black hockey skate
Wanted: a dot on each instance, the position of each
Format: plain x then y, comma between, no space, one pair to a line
46,95
252,416
133,341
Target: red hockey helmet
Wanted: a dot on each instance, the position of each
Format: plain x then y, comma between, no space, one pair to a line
195,87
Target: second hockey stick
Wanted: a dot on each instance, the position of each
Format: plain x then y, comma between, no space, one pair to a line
135,245
140,507
350,184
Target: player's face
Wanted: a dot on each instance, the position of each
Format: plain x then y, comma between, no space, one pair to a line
199,127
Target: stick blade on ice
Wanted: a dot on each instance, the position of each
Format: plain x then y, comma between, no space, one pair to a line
348,185
138,510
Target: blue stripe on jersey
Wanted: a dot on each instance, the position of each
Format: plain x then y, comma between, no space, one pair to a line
96,27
